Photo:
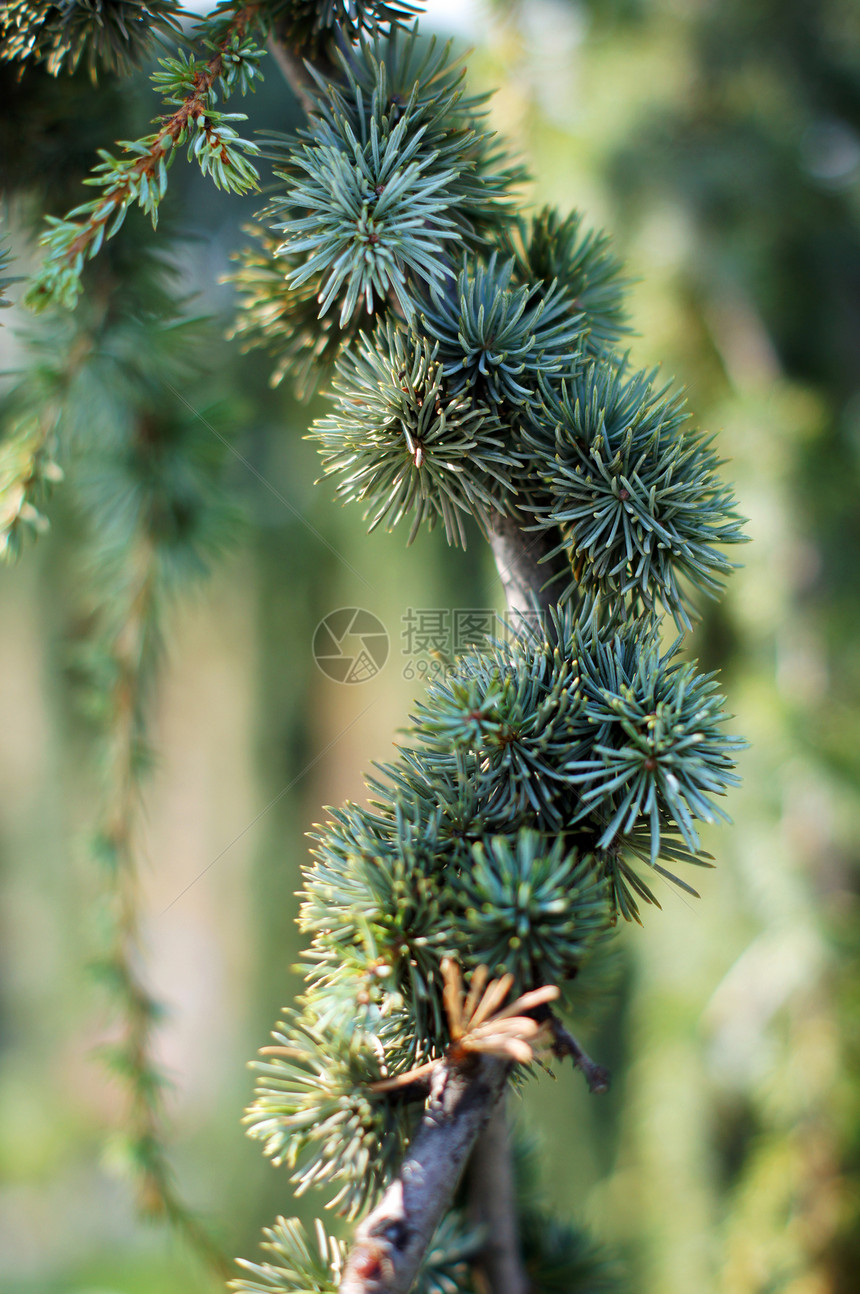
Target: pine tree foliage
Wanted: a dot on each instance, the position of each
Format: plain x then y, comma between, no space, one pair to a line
297,1263
315,1111
376,216
547,778
530,909
403,79
548,248
111,34
498,339
398,86
311,28
191,86
543,778
408,168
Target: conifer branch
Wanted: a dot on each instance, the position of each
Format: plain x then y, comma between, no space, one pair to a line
190,86
465,1086
143,482
131,650
477,378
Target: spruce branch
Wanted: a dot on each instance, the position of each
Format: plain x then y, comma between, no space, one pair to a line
550,249
373,240
135,570
311,29
130,647
532,908
377,214
190,86
499,340
318,1110
542,777
144,484
401,78
634,493
376,907
660,755
297,1265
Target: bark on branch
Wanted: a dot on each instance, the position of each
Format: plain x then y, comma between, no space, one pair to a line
391,1242
522,569
596,1076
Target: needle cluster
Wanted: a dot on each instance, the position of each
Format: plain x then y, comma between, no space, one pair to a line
634,492
402,441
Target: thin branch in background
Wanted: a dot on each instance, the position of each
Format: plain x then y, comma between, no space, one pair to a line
139,175
131,648
493,1208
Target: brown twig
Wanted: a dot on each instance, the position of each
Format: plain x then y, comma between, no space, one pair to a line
391,1242
487,1038
596,1076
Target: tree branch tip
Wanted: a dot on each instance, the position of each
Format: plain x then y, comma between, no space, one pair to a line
597,1077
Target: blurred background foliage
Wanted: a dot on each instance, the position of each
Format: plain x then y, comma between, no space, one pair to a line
720,144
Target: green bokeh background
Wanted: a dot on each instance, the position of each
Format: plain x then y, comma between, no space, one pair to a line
720,144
